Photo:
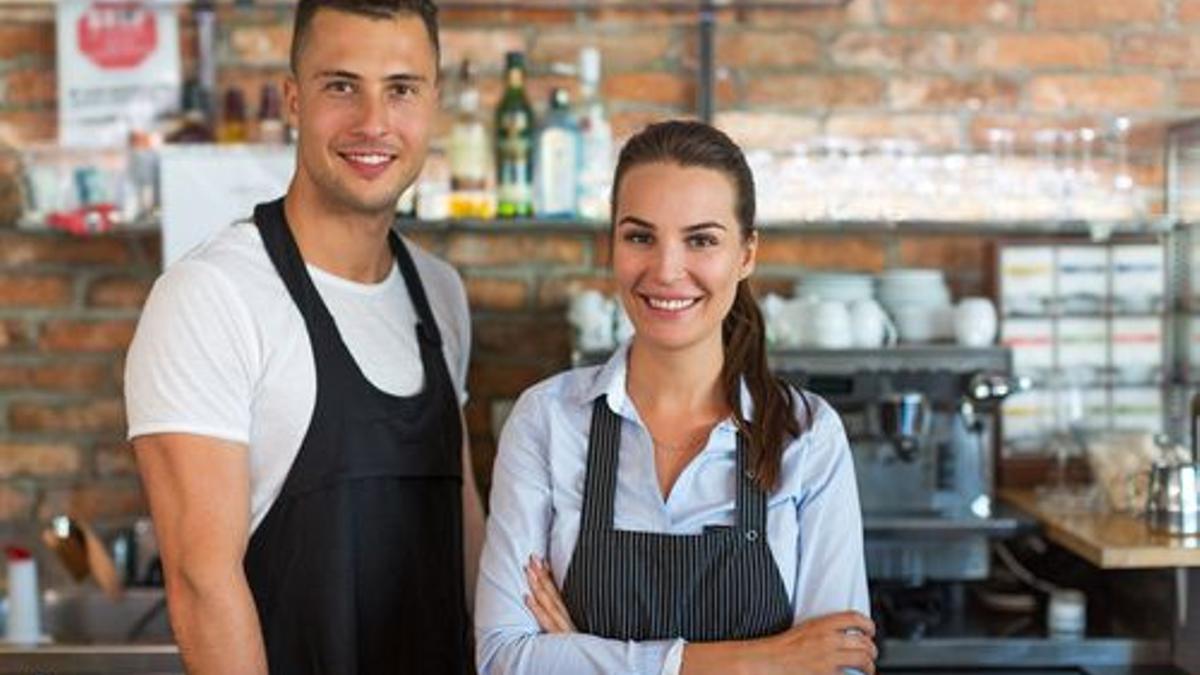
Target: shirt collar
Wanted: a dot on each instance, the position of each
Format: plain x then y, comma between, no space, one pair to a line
609,381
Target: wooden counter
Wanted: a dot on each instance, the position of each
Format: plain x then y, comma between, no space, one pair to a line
1108,540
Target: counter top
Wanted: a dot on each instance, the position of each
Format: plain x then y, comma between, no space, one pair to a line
1106,539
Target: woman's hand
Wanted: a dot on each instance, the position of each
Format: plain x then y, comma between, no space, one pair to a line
544,600
824,645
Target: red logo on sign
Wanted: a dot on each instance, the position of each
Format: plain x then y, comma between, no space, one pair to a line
116,35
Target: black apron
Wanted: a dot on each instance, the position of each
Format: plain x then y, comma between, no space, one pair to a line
722,584
358,566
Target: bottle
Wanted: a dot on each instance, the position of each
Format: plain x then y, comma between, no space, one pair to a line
194,126
596,141
271,127
470,156
514,143
233,117
557,160
24,624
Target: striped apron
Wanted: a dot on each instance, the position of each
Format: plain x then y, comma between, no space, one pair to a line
721,584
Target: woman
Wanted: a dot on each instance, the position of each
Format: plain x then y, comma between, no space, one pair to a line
701,515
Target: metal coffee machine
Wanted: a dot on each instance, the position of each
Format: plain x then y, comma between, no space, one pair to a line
921,424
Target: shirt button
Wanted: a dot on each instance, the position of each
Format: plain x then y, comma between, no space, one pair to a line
752,535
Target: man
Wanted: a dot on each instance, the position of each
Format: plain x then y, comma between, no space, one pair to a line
295,384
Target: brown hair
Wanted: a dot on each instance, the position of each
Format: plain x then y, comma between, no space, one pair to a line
695,144
374,9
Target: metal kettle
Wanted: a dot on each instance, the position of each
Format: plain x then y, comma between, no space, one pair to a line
1173,498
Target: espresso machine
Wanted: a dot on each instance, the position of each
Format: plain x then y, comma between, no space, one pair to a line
921,421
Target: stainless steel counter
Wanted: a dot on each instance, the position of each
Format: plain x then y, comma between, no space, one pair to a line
132,659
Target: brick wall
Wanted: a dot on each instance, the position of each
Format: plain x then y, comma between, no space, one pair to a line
943,71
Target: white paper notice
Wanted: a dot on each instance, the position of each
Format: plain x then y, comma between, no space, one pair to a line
208,187
118,64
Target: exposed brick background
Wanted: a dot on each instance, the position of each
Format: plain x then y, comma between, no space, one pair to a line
941,71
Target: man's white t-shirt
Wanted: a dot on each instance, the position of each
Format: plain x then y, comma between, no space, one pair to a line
221,349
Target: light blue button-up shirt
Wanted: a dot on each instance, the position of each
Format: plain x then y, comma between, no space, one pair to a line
814,525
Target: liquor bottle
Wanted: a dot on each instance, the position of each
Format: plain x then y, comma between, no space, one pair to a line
271,127
596,141
514,143
233,117
470,154
194,126
557,160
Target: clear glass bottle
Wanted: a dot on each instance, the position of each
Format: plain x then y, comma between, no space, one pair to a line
470,154
596,141
514,143
557,160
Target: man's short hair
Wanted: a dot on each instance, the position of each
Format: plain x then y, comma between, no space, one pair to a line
375,9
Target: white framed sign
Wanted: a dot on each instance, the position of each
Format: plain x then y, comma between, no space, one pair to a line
118,68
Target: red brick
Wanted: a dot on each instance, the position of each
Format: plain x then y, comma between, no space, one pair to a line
895,51
942,93
1187,93
1160,51
29,126
1048,93
495,293
774,131
511,248
34,291
753,48
624,49
115,459
68,377
28,40
1189,11
505,17
259,44
855,13
1076,14
820,252
95,501
93,415
26,249
924,13
484,46
935,131
16,504
556,292
28,459
816,91
1043,50
122,292
663,88
87,336
602,248
28,86
545,336
14,335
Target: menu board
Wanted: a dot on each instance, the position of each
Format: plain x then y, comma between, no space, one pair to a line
118,69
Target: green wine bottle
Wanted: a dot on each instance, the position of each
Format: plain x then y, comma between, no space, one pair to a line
514,143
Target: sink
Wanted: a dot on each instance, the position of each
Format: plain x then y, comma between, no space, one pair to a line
86,616
91,634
